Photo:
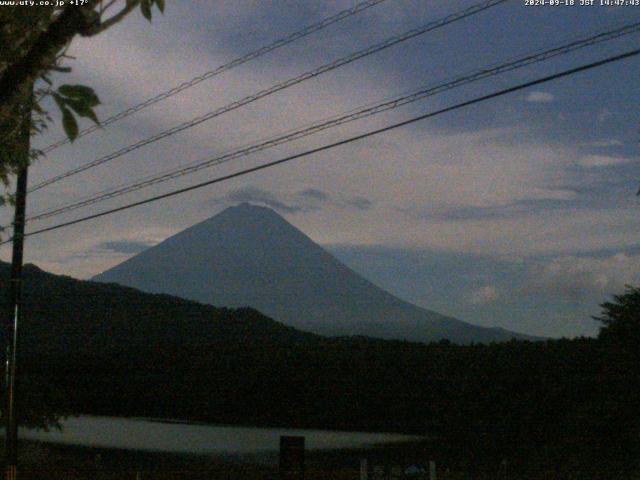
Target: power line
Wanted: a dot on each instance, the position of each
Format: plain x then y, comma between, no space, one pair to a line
360,7
389,42
357,114
247,171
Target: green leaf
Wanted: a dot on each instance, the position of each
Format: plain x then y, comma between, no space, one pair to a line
145,8
59,100
76,105
160,4
75,90
56,68
83,109
81,92
92,115
69,123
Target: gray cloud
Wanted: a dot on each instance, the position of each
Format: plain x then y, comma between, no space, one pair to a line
515,209
257,195
484,294
583,276
591,161
314,194
540,97
474,213
613,142
124,246
307,200
360,203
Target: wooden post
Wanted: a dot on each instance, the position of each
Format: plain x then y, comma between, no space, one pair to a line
364,469
432,470
291,458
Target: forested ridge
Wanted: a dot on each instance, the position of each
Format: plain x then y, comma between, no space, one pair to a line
555,406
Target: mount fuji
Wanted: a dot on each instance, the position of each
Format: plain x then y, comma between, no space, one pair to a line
249,255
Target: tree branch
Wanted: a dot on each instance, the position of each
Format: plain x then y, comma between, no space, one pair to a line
104,8
72,21
113,20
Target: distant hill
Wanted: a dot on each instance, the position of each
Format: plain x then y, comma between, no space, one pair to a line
250,256
65,315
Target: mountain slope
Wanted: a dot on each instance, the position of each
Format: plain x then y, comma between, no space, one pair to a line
250,256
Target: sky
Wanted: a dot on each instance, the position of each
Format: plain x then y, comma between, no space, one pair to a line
519,212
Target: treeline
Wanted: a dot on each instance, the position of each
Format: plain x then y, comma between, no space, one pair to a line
554,409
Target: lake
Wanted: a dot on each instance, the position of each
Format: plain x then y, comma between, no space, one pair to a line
181,437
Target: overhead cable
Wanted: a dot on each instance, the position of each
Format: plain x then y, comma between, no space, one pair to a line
360,7
323,148
357,114
389,42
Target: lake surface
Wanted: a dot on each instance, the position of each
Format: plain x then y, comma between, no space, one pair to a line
178,437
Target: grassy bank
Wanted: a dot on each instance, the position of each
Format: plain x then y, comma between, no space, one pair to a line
40,461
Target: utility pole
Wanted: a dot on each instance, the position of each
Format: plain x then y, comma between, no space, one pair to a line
14,312
15,306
